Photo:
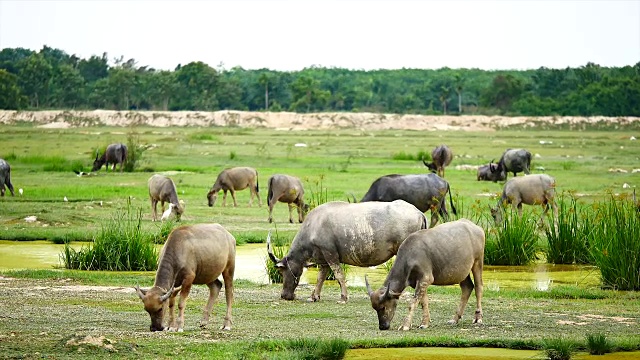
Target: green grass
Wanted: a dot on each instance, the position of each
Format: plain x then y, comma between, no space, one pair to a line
597,344
514,241
559,349
567,244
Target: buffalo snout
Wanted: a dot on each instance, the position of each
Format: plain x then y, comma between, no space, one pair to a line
384,326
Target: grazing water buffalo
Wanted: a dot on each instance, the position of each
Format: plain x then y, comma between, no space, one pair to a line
334,233
530,190
115,154
5,177
424,191
513,160
162,188
441,157
443,255
193,254
286,189
237,178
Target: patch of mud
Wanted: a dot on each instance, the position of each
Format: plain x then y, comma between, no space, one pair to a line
100,342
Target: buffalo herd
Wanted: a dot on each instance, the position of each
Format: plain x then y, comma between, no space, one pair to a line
388,221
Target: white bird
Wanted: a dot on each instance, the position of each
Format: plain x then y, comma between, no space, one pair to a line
65,199
167,213
20,191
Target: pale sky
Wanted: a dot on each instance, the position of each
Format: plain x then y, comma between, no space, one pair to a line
353,34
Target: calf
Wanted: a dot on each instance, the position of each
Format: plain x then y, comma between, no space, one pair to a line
193,254
5,177
237,178
162,188
443,255
287,189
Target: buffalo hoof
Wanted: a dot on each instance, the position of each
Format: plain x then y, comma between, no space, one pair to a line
290,221
477,321
313,299
225,327
423,326
341,302
404,328
452,322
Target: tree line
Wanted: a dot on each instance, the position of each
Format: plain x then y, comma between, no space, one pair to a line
52,79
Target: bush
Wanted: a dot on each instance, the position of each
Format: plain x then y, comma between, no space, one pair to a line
559,349
597,344
614,244
121,245
567,243
134,152
514,242
280,248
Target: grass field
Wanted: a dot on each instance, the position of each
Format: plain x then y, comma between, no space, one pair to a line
333,165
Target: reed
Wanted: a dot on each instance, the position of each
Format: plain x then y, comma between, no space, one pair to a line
598,344
512,242
567,243
559,349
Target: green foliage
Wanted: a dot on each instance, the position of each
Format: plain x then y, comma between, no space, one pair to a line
280,248
121,245
319,193
559,349
232,155
135,151
597,344
567,244
513,242
614,245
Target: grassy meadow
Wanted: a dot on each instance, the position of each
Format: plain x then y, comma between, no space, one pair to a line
333,165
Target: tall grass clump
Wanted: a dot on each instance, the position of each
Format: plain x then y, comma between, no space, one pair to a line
120,245
280,248
597,344
319,193
559,349
134,152
615,243
568,242
513,242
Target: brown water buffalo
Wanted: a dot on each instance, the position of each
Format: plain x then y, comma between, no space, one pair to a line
237,178
192,254
162,188
287,189
5,177
424,191
115,154
334,233
441,157
443,255
536,189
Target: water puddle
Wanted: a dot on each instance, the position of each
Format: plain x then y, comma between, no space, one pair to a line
250,265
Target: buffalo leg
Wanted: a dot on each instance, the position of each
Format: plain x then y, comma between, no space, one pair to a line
337,271
172,318
214,290
476,270
421,292
154,209
467,287
227,276
224,197
233,195
291,212
322,276
271,202
184,294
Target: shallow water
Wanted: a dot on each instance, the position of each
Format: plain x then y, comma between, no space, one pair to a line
250,265
469,353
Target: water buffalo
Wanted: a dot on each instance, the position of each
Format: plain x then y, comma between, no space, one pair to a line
5,177
115,154
531,190
424,191
237,178
441,157
334,233
193,254
489,173
162,188
513,160
443,255
287,189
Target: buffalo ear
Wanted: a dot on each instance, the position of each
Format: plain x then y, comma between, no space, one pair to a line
395,295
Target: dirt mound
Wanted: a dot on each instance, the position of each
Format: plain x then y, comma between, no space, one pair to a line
288,120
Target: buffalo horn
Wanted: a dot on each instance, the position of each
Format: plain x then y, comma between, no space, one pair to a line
424,162
270,250
141,293
166,295
366,282
490,165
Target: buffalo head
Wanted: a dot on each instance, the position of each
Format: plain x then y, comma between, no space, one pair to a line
212,196
98,162
431,166
384,302
155,301
290,270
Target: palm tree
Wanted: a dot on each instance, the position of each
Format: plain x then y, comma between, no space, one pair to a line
444,97
459,87
264,80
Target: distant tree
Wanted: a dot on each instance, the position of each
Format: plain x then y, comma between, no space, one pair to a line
503,91
459,86
11,97
94,68
34,78
445,94
264,81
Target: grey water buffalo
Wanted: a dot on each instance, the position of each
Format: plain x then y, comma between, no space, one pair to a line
513,160
441,157
424,191
233,179
162,189
192,254
114,154
287,189
490,173
334,233
5,178
443,255
529,189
